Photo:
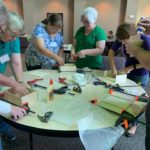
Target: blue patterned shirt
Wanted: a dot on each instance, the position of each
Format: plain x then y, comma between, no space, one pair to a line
53,44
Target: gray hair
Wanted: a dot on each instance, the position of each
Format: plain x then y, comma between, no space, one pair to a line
90,13
3,14
15,22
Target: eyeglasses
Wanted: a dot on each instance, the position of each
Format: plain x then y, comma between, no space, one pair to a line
85,22
13,35
2,31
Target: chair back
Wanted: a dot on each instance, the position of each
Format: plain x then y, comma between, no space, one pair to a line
119,62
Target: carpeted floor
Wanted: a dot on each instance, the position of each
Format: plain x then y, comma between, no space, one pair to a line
50,143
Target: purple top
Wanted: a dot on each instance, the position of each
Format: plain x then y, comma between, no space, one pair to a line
146,41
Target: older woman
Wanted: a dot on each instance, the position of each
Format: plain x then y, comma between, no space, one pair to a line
11,26
89,41
46,46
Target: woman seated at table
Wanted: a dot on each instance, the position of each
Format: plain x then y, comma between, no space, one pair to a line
89,41
46,45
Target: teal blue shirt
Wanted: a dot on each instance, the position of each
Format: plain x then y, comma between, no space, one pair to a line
8,48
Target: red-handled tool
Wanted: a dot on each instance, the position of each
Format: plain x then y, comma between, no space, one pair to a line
34,81
27,108
62,80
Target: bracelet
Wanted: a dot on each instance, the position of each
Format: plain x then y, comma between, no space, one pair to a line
134,66
20,82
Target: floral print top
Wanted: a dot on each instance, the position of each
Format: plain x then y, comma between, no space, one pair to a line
53,44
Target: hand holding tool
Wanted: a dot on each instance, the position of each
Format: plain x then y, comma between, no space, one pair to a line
27,108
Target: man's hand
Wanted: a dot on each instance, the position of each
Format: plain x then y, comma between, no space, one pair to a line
17,112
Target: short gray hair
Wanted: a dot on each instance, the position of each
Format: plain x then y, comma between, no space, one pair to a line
3,14
91,14
15,22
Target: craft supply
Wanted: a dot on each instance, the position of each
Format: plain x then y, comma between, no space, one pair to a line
50,90
46,116
70,67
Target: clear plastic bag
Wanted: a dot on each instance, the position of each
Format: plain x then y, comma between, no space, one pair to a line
99,139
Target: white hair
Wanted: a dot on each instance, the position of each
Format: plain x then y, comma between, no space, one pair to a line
3,14
15,22
90,13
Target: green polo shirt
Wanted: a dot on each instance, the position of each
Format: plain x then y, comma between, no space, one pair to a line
89,42
8,48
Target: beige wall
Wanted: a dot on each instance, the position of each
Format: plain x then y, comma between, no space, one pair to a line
108,12
131,11
36,10
143,9
14,5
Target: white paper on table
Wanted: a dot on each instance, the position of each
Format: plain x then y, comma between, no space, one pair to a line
121,79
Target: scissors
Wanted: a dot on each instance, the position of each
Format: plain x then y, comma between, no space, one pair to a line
77,89
62,80
34,81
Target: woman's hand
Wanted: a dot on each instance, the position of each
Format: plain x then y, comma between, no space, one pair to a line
74,56
17,112
20,88
81,54
59,60
113,73
145,22
128,69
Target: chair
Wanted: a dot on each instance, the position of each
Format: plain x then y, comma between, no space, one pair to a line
119,62
23,43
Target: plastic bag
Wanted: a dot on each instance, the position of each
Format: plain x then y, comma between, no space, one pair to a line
98,139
